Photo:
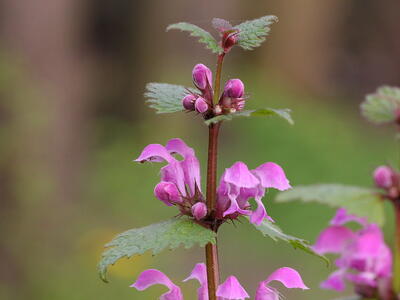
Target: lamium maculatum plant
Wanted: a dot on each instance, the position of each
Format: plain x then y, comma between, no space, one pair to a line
203,209
364,258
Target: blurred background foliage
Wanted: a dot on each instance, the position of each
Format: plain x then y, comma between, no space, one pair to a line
72,118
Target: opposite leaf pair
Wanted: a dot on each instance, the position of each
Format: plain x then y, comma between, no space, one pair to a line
230,289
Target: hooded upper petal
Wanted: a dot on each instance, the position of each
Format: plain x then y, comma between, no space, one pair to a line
231,289
342,217
240,176
333,239
289,277
200,274
151,277
272,175
154,152
335,281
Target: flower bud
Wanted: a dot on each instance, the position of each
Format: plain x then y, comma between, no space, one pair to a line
202,76
234,88
199,210
167,192
201,105
188,101
383,177
229,39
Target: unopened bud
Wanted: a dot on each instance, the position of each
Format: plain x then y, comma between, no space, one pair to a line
234,88
383,177
229,39
202,76
201,105
199,210
167,192
188,101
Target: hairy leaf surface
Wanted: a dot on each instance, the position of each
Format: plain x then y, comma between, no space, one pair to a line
382,106
263,112
268,228
165,97
204,36
363,202
156,237
253,33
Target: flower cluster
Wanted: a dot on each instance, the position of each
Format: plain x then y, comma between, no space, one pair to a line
388,179
231,100
180,183
365,259
230,289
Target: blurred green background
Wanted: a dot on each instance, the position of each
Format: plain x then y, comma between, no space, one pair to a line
72,119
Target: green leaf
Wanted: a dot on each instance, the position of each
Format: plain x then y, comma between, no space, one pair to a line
164,97
268,228
253,33
204,36
263,112
363,202
156,237
381,106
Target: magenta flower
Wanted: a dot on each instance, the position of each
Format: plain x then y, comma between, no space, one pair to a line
239,184
180,183
383,177
232,99
365,259
151,277
231,289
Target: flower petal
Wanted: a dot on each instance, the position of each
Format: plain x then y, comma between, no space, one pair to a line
272,175
190,164
260,213
151,277
231,289
333,239
200,274
342,217
177,145
289,277
240,176
335,281
155,152
266,293
167,192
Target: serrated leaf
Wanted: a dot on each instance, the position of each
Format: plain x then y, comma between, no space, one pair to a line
263,112
267,228
204,36
363,202
253,33
156,237
381,106
165,97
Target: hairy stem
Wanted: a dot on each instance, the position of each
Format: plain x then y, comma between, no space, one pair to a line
211,195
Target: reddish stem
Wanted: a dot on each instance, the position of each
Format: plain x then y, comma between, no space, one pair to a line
211,195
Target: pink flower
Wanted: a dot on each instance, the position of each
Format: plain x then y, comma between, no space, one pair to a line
239,184
202,77
151,277
232,99
364,259
383,177
199,210
201,105
180,183
230,289
188,102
